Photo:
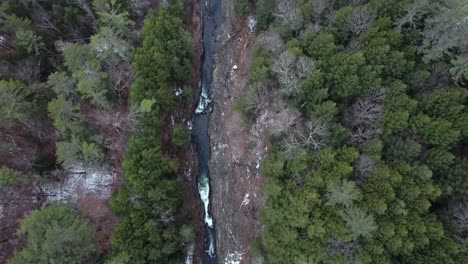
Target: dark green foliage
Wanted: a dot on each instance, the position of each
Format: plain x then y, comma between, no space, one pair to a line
29,40
150,201
264,14
149,232
349,76
241,7
395,155
13,102
407,150
180,137
259,68
62,84
79,152
453,180
321,46
166,56
10,177
66,116
56,234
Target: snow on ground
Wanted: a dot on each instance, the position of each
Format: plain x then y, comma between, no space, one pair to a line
79,182
246,200
234,258
189,258
252,23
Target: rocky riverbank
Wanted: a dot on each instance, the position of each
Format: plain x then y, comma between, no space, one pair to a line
235,158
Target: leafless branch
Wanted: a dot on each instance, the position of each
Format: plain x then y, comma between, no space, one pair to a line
413,13
288,13
290,70
83,4
283,119
312,136
459,212
360,20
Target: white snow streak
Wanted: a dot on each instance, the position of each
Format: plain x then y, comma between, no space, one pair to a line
246,200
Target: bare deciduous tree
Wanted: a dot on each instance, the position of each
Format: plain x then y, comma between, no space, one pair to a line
283,119
348,250
312,135
28,70
413,13
318,6
304,67
44,19
363,167
459,212
360,20
364,114
256,98
366,110
271,41
363,134
120,77
284,67
288,14
291,70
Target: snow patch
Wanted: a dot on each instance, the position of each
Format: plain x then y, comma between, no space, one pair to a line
234,258
252,23
80,181
246,200
179,92
257,166
189,125
190,251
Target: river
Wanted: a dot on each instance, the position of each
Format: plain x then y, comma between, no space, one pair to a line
211,14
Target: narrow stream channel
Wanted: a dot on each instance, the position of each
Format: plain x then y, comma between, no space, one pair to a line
210,11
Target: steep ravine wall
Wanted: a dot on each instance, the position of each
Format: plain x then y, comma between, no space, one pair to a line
234,161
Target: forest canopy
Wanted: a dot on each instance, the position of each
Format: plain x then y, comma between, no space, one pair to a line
368,130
